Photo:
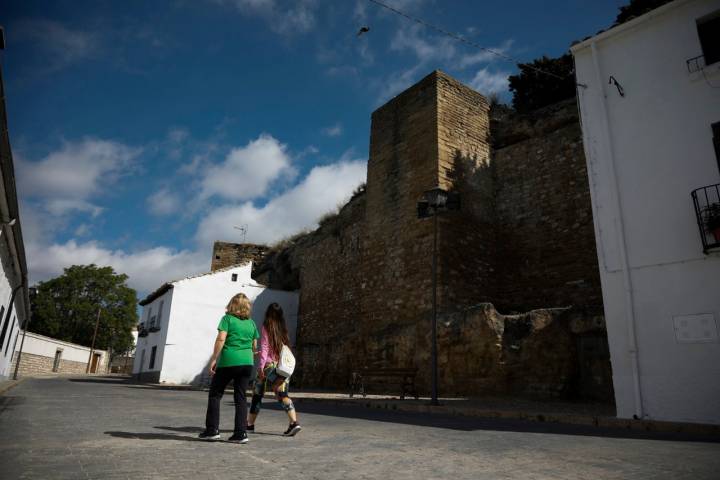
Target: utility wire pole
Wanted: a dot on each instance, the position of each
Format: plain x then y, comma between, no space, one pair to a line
92,347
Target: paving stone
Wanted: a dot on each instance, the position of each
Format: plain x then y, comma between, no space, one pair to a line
60,428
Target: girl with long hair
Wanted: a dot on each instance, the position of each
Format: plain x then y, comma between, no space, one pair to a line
274,335
232,359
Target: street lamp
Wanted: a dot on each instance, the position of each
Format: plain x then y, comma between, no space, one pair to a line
435,202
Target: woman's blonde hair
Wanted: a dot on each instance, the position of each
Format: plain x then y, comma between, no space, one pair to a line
239,306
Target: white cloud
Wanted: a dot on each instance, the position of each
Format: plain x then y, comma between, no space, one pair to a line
146,269
298,208
77,171
333,130
163,202
248,171
58,45
484,56
487,82
425,49
286,18
83,230
62,206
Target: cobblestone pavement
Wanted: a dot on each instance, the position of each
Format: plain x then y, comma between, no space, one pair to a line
94,427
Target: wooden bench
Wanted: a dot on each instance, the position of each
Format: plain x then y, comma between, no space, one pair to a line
405,376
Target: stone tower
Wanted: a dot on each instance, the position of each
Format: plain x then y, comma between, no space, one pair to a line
433,134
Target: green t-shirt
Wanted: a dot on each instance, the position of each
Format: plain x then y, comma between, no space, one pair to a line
238,344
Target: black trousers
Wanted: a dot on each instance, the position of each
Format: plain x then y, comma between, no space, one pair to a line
241,376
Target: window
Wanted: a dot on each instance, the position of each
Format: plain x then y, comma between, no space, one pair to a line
234,277
4,328
709,33
149,320
152,358
716,141
158,318
9,338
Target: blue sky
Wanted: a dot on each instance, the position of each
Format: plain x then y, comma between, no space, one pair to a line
142,131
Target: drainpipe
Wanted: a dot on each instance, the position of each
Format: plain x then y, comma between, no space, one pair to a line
627,278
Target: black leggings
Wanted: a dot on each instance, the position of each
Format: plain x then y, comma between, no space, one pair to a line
240,375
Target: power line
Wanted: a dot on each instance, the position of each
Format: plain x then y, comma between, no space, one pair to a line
462,39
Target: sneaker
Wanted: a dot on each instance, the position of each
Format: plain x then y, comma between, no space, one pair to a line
209,435
292,430
239,438
250,428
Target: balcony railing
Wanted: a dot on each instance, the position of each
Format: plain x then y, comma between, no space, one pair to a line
707,210
695,64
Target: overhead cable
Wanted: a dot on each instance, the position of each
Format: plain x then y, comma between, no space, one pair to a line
463,39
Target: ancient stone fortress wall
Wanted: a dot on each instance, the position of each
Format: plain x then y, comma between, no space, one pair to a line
229,254
522,240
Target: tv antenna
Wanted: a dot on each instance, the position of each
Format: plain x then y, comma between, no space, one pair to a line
243,230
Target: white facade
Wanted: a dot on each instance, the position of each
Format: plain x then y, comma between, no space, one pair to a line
14,295
646,150
52,348
186,314
9,324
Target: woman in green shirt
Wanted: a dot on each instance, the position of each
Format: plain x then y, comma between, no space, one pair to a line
232,359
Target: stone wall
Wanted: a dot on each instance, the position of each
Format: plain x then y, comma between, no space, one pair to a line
522,240
32,364
546,241
229,254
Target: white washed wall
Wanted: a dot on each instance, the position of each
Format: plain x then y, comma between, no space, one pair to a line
659,135
192,316
13,326
45,346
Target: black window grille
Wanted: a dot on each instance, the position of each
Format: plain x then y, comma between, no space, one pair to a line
707,211
234,277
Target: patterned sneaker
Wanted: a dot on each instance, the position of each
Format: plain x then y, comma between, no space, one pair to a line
292,430
239,438
209,435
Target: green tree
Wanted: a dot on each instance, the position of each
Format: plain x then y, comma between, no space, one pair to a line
66,308
533,89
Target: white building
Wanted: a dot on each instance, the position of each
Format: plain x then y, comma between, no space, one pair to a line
179,322
43,355
14,298
649,95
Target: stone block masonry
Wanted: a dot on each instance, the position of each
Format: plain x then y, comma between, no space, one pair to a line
33,365
229,254
523,240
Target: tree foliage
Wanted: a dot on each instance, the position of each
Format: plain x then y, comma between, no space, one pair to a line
66,308
636,8
532,89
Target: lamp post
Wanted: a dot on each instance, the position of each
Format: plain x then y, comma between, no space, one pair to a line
434,202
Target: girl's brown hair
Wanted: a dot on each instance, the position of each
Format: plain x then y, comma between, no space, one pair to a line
239,306
274,325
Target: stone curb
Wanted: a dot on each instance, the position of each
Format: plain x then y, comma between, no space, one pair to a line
571,419
10,384
564,418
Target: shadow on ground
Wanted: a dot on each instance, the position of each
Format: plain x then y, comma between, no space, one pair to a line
105,380
496,424
435,420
